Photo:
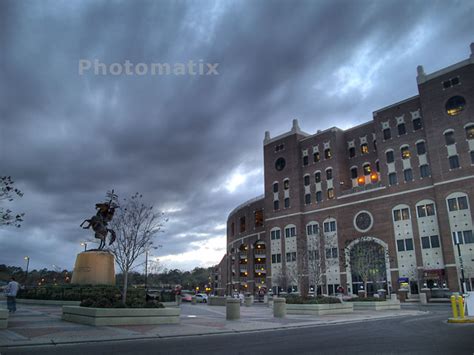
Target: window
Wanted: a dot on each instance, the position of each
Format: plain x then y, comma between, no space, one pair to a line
417,124
279,147
312,229
401,129
364,148
286,184
330,194
317,177
468,237
425,242
275,234
287,202
426,210
319,196
409,244
331,253
420,148
327,153
276,258
242,224
375,145
470,132
305,160
258,218
290,232
390,156
352,152
408,174
316,157
306,180
405,151
354,173
457,238
307,199
400,245
424,170
449,138
290,257
377,166
434,241
401,214
329,174
276,205
454,162
455,105
329,226
367,169
387,134
459,203
275,187
392,179
313,255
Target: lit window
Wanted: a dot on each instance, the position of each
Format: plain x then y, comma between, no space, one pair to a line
329,174
317,177
470,132
390,156
417,124
420,148
387,134
330,194
352,152
258,218
401,129
392,178
405,152
367,169
455,105
354,173
364,148
424,170
408,174
449,138
454,162
316,157
327,153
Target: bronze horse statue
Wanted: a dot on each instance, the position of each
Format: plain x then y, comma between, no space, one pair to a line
99,222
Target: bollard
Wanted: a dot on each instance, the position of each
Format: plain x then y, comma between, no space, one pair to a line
454,306
279,307
461,306
232,308
423,299
248,301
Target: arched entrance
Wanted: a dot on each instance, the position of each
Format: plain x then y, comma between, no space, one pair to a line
367,265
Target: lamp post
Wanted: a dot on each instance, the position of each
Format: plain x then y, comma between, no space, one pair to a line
27,258
84,244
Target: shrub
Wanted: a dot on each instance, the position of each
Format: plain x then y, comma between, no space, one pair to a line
366,299
311,300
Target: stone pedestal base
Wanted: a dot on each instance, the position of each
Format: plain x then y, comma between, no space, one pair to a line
94,268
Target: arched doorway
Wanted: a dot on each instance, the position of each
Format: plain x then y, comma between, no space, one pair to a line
367,265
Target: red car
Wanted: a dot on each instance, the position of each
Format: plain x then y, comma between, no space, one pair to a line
186,297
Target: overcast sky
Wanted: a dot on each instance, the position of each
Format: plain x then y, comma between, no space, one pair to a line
192,144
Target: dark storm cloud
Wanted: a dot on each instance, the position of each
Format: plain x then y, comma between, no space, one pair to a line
68,138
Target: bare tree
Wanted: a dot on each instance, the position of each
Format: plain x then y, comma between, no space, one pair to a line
314,262
8,193
136,226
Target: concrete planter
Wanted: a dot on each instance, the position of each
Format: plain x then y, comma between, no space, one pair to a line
3,318
120,316
320,309
47,302
216,301
376,306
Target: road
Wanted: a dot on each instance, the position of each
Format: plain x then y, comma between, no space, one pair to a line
427,334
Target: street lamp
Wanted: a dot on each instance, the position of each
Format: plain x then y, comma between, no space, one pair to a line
27,258
84,244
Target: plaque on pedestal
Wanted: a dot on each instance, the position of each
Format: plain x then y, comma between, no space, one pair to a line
94,267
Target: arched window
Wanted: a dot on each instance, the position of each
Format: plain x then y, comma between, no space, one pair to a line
329,225
449,137
455,105
275,234
364,148
286,184
367,169
469,131
312,228
306,180
425,208
317,176
290,231
354,172
401,213
327,153
275,187
405,152
329,173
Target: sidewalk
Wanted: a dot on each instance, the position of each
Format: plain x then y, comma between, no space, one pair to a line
37,325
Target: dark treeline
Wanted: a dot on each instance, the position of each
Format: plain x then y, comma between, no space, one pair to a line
199,277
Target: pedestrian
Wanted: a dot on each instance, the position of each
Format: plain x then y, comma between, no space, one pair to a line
11,292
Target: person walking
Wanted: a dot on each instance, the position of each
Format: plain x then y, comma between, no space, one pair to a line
11,292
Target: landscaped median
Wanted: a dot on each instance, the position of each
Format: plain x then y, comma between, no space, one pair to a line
317,306
47,302
380,305
120,316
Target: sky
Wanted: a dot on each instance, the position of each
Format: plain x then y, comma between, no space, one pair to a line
191,144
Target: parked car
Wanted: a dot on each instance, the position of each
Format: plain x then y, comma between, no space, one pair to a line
186,297
201,298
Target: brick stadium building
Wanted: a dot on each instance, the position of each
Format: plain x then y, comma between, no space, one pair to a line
397,191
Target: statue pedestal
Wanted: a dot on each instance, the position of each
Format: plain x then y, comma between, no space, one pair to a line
94,267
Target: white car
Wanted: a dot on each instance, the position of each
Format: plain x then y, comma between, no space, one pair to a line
201,298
